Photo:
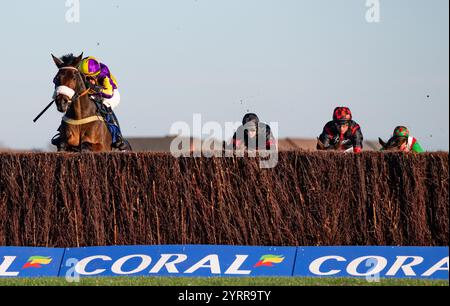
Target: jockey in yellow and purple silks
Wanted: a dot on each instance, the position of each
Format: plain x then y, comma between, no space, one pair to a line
102,80
105,90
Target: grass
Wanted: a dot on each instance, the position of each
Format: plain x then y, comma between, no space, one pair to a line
157,281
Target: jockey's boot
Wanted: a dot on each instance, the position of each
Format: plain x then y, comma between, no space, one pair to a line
121,144
58,140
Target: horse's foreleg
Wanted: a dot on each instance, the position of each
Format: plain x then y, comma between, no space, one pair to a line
87,143
95,138
72,140
67,142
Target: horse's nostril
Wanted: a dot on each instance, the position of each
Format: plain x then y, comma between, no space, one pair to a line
62,100
62,103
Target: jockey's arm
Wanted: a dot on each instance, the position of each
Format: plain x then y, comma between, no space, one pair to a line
107,88
324,138
417,148
357,139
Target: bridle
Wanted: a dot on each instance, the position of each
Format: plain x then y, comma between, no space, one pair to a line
70,93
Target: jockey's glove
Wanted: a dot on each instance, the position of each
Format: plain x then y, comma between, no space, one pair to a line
95,88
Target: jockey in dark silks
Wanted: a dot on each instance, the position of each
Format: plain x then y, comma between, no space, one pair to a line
253,135
341,134
106,95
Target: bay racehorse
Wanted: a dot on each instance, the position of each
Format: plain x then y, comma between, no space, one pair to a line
83,129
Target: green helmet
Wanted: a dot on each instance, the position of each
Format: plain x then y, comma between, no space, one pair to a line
401,131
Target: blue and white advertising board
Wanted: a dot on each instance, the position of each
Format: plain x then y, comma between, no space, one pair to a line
176,260
373,262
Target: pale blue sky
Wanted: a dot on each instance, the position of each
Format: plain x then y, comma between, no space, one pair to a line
290,61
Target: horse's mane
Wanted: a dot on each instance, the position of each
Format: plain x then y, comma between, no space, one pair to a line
68,59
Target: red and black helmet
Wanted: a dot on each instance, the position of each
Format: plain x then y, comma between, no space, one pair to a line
342,113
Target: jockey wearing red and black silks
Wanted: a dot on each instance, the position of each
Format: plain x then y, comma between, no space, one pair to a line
262,140
332,137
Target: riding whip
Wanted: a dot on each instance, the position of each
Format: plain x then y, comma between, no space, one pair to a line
41,113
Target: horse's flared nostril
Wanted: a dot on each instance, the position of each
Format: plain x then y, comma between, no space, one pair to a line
62,103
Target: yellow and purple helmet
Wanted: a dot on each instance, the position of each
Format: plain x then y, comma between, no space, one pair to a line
90,66
401,131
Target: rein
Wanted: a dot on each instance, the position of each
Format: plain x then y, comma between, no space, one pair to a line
87,91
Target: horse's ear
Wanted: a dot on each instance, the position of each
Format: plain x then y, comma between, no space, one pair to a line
382,143
320,145
58,62
78,60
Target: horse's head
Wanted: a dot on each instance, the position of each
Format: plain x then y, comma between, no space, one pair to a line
68,80
394,144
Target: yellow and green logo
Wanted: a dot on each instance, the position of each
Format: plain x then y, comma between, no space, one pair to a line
269,260
37,262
